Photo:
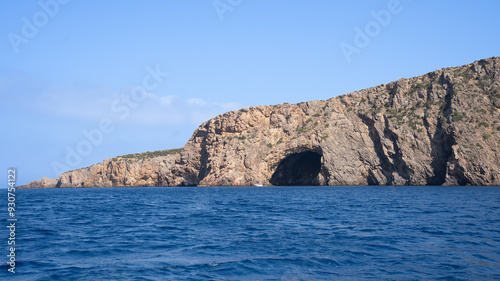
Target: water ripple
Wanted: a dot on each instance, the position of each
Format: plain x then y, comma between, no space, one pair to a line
285,233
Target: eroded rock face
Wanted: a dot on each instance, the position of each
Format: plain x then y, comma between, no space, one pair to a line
442,128
43,183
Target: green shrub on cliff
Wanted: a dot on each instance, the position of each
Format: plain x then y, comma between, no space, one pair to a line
302,130
484,124
148,154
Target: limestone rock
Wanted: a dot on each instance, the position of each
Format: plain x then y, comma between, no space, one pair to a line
442,128
45,182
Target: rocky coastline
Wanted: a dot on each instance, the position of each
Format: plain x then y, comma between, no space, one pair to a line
441,128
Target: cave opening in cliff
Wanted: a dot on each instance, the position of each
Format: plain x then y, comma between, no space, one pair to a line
298,169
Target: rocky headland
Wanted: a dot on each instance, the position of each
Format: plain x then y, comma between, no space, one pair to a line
442,128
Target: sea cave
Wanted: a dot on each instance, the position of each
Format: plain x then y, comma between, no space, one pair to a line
298,169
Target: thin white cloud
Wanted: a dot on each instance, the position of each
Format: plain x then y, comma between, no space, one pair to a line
196,102
94,104
167,100
178,111
77,103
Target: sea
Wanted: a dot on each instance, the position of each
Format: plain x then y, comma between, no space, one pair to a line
254,233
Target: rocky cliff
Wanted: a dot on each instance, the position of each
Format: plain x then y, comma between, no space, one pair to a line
442,128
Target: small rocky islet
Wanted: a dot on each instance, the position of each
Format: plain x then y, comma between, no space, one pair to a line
441,128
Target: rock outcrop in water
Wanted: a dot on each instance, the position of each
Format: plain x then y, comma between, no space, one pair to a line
442,128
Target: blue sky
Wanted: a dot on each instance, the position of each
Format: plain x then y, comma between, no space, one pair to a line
68,67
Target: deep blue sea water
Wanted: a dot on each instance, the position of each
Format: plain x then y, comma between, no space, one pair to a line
256,233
